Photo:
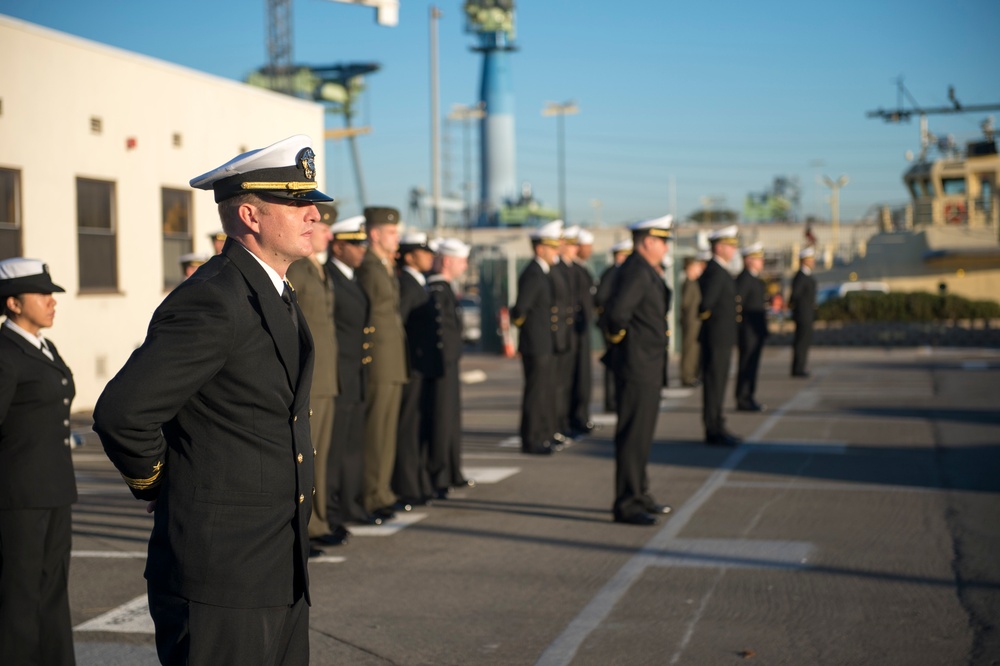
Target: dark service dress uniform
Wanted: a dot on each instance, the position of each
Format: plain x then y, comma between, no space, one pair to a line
752,323
803,305
536,314
717,338
564,291
210,418
601,297
637,325
37,487
583,318
437,355
345,468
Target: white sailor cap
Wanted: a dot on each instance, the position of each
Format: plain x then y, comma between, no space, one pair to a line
452,247
585,237
622,246
350,229
656,226
193,259
754,250
413,240
548,234
25,276
806,252
571,233
728,235
286,170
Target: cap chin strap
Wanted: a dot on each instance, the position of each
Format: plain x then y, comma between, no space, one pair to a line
279,186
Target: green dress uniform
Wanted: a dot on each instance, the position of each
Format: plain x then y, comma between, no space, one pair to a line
388,371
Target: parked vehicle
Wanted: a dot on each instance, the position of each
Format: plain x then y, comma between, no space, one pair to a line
841,290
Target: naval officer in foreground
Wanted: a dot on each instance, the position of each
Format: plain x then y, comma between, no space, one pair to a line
209,421
637,324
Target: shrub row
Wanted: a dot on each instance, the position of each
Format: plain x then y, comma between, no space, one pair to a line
916,306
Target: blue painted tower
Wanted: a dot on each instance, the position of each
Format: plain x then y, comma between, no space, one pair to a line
492,21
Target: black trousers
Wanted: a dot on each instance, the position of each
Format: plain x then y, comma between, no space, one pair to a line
189,633
564,370
715,362
610,400
442,408
638,409
345,465
751,346
34,567
538,422
801,342
579,403
409,476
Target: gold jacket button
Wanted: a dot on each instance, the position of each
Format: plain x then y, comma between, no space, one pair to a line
299,458
295,418
302,498
314,491
314,453
310,413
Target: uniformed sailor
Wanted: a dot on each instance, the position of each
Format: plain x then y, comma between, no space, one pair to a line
619,253
345,467
37,485
583,319
637,324
802,302
564,279
437,355
537,315
410,481
209,420
751,319
690,321
718,333
191,261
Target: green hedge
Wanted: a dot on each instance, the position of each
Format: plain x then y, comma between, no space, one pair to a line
917,306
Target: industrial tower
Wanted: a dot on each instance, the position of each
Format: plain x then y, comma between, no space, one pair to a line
493,23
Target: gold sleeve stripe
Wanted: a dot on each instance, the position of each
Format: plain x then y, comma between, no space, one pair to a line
143,484
519,322
615,338
705,315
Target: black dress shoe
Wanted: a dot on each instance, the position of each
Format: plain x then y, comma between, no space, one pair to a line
723,439
541,450
315,552
641,518
385,513
368,519
751,407
662,509
803,375
402,506
465,483
336,538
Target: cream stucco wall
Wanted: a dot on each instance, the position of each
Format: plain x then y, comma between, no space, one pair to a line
51,85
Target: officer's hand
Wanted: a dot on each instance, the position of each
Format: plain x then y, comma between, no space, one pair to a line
151,507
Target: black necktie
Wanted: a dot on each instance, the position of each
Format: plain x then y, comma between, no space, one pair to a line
288,296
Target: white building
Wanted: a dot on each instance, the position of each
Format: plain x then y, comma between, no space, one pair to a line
97,146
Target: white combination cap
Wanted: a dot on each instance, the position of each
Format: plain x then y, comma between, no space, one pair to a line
622,246
25,276
349,229
755,250
548,234
285,169
585,237
807,252
656,226
728,235
452,247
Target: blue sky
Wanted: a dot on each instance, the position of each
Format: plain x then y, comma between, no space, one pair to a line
719,96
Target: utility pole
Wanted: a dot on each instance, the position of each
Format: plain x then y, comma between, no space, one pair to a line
561,111
435,124
835,186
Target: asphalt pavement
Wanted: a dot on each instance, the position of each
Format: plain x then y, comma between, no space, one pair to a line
859,523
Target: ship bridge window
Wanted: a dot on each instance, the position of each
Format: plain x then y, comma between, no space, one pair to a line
953,185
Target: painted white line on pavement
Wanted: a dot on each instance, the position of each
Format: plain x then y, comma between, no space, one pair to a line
604,419
563,649
735,553
510,442
113,554
489,474
830,487
130,618
327,559
402,519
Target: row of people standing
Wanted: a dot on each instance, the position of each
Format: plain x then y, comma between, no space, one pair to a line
554,311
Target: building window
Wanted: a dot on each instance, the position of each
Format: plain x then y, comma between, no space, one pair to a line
10,213
176,233
96,239
953,185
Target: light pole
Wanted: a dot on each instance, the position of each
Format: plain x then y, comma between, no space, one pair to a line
435,123
465,114
561,111
835,186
